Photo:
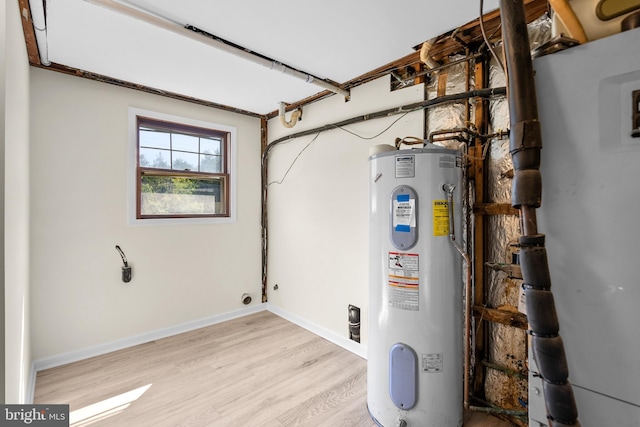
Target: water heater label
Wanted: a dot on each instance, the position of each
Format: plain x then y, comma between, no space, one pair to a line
440,218
405,167
403,291
404,213
432,363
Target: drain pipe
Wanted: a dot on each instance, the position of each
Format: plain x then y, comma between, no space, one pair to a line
208,39
40,27
525,146
295,116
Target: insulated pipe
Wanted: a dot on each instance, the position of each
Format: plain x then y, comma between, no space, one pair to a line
525,146
424,54
177,28
568,17
40,27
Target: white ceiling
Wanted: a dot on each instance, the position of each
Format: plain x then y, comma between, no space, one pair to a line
334,39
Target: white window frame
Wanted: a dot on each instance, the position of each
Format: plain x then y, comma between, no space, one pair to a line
132,172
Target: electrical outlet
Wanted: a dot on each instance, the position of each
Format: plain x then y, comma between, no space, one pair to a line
354,323
126,274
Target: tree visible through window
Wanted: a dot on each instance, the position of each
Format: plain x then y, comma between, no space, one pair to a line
182,171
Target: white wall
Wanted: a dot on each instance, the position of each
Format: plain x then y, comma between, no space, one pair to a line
15,176
181,273
318,227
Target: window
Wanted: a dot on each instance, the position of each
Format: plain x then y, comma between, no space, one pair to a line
182,170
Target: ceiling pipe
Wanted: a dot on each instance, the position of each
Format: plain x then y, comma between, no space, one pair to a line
40,27
177,28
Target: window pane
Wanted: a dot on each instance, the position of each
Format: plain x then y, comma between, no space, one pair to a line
185,161
153,158
154,138
184,142
210,146
162,195
210,163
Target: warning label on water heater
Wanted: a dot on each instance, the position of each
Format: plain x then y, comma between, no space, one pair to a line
440,217
403,291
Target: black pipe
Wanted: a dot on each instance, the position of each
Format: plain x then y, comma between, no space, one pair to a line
430,103
525,145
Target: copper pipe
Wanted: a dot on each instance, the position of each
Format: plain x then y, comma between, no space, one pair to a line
468,309
529,220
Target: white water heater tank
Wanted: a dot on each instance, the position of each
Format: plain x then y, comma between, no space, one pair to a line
415,358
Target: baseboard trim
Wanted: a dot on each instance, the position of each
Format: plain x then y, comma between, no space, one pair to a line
347,344
74,356
31,385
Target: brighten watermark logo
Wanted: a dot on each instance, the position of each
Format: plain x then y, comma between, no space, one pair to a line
34,415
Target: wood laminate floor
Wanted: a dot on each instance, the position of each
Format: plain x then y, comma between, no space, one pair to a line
259,370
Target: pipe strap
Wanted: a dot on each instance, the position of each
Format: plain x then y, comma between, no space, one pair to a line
526,286
541,313
553,423
534,266
532,240
526,188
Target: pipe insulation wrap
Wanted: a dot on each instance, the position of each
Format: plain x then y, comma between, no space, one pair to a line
534,265
568,17
425,56
526,196
541,313
526,188
560,402
550,358
525,144
507,346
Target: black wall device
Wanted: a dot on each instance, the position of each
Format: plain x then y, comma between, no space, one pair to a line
126,269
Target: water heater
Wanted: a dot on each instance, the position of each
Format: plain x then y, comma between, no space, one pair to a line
415,359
